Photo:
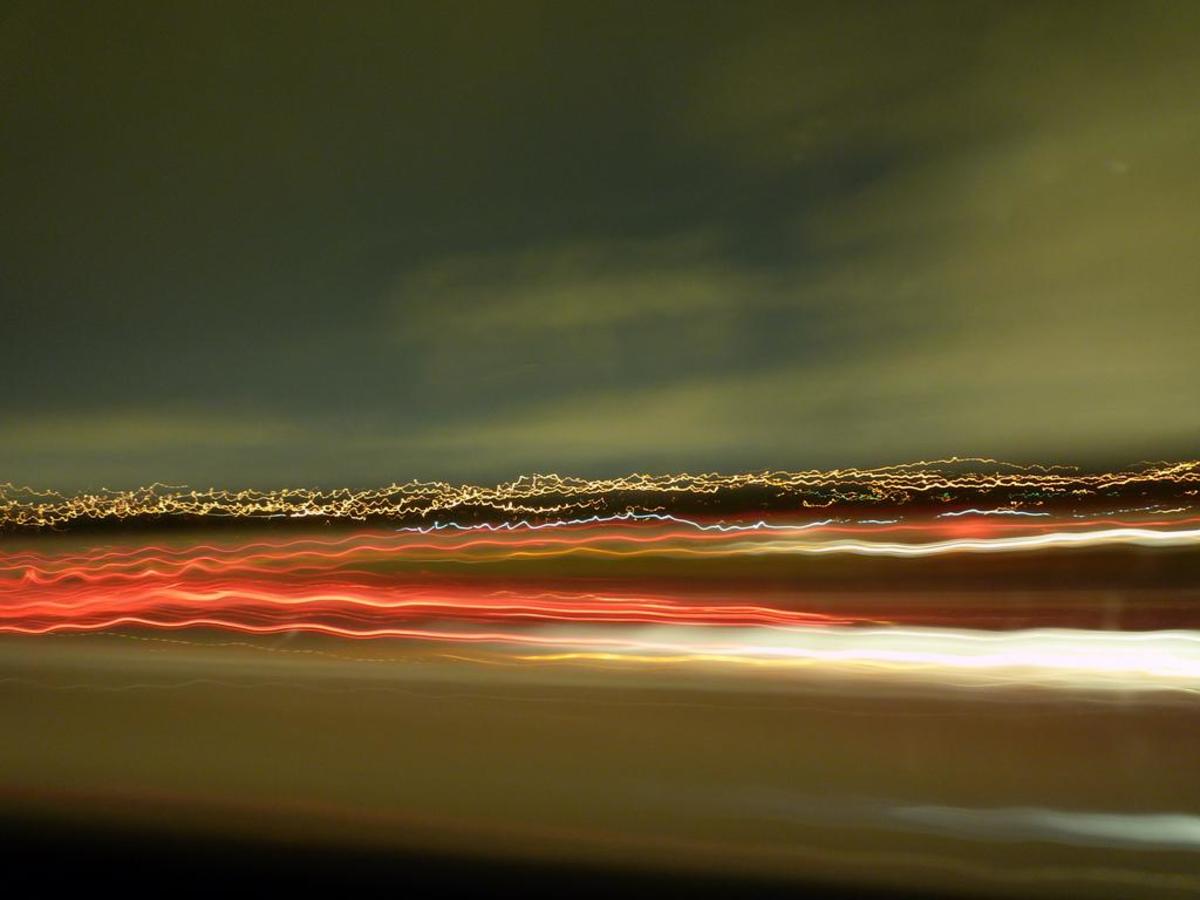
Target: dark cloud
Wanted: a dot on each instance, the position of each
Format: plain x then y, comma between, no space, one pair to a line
343,245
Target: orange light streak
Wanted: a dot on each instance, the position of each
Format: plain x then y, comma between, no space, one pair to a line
355,585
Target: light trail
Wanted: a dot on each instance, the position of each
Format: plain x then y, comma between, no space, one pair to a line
433,584
1137,537
682,536
353,608
616,519
1002,511
963,481
365,571
1055,658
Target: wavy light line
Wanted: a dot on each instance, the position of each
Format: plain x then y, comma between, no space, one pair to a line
945,480
357,586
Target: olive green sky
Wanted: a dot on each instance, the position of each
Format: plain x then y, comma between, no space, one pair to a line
257,243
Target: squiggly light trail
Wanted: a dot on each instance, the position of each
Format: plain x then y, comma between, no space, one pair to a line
548,495
615,536
363,607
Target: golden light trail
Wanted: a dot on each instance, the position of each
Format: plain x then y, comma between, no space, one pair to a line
940,481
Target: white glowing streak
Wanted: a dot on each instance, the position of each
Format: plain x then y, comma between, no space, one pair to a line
1004,511
1058,657
526,525
1142,537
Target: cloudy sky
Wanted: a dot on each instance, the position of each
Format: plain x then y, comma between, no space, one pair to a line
344,244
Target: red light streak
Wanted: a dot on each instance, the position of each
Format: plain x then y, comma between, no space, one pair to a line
324,585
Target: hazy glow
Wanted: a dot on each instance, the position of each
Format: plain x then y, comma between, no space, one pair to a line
1163,831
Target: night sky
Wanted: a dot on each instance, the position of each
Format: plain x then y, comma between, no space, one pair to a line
347,244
